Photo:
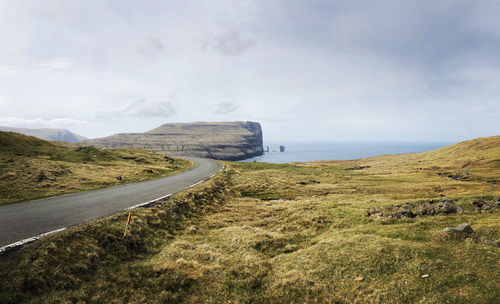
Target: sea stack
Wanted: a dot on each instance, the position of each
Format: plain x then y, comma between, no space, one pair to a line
282,148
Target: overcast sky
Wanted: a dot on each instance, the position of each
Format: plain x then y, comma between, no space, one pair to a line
306,70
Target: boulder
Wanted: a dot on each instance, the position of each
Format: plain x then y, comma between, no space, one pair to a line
462,229
483,205
405,211
373,210
448,207
443,206
478,203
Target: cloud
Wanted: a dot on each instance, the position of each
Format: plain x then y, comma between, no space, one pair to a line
230,42
57,64
318,67
225,107
145,108
156,44
8,71
40,122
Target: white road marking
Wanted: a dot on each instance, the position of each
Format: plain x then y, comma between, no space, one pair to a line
148,202
196,184
29,240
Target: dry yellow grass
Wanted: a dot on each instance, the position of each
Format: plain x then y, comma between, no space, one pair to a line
298,233
31,168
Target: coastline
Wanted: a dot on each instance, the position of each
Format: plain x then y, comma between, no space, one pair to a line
314,151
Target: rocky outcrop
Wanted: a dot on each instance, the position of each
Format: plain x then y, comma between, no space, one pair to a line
47,134
218,140
428,208
481,204
465,231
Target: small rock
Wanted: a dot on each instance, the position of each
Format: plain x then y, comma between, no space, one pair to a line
372,210
459,210
463,228
359,279
425,276
405,211
478,203
426,209
448,207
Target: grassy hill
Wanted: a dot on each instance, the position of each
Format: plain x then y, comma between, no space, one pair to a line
32,168
62,135
286,233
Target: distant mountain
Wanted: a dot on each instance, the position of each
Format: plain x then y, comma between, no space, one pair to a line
47,134
219,140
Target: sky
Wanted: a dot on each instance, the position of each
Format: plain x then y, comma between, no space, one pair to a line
306,70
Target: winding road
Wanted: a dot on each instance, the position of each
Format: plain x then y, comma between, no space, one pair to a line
27,221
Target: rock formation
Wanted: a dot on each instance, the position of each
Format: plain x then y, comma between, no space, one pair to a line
218,140
47,134
428,208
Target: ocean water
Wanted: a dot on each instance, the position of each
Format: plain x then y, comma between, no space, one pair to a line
302,152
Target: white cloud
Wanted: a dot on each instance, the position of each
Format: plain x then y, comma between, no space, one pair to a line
225,107
8,71
229,42
305,71
40,122
144,108
57,64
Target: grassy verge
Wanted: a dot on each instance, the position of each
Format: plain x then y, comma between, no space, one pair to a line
94,263
31,168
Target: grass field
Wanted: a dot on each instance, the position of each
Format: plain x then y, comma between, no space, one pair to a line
32,168
285,233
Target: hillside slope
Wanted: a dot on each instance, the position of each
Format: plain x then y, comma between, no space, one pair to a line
32,168
287,233
218,140
47,134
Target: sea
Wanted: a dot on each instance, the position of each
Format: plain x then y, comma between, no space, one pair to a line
303,152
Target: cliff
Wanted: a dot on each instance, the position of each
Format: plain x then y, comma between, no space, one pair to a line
47,134
218,140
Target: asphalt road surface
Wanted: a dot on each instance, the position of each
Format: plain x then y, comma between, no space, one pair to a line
20,221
